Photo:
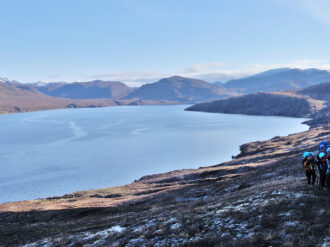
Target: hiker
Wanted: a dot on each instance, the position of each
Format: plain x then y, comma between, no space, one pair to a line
323,166
328,170
309,165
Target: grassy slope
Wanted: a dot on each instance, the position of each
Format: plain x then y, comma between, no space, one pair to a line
259,199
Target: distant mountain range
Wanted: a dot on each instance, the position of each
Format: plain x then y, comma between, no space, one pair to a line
176,89
279,79
187,90
18,97
15,96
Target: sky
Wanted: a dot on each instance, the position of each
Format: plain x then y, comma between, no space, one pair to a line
140,41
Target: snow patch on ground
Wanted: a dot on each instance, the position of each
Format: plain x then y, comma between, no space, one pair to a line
105,233
117,229
171,220
292,223
46,243
326,242
175,226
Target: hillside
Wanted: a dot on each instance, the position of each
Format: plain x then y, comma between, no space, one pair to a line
85,90
279,79
320,91
180,89
258,199
16,97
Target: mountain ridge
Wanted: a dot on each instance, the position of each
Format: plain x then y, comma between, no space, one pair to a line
174,89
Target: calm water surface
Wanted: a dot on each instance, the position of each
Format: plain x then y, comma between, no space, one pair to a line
55,152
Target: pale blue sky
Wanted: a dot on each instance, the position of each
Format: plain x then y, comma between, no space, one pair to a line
138,41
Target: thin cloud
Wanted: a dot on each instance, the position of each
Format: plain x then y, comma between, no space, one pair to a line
131,78
319,9
316,9
54,76
203,68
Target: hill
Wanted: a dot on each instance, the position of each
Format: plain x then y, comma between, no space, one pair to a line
85,90
279,79
15,97
321,92
180,89
309,102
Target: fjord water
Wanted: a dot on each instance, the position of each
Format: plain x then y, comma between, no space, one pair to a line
50,153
